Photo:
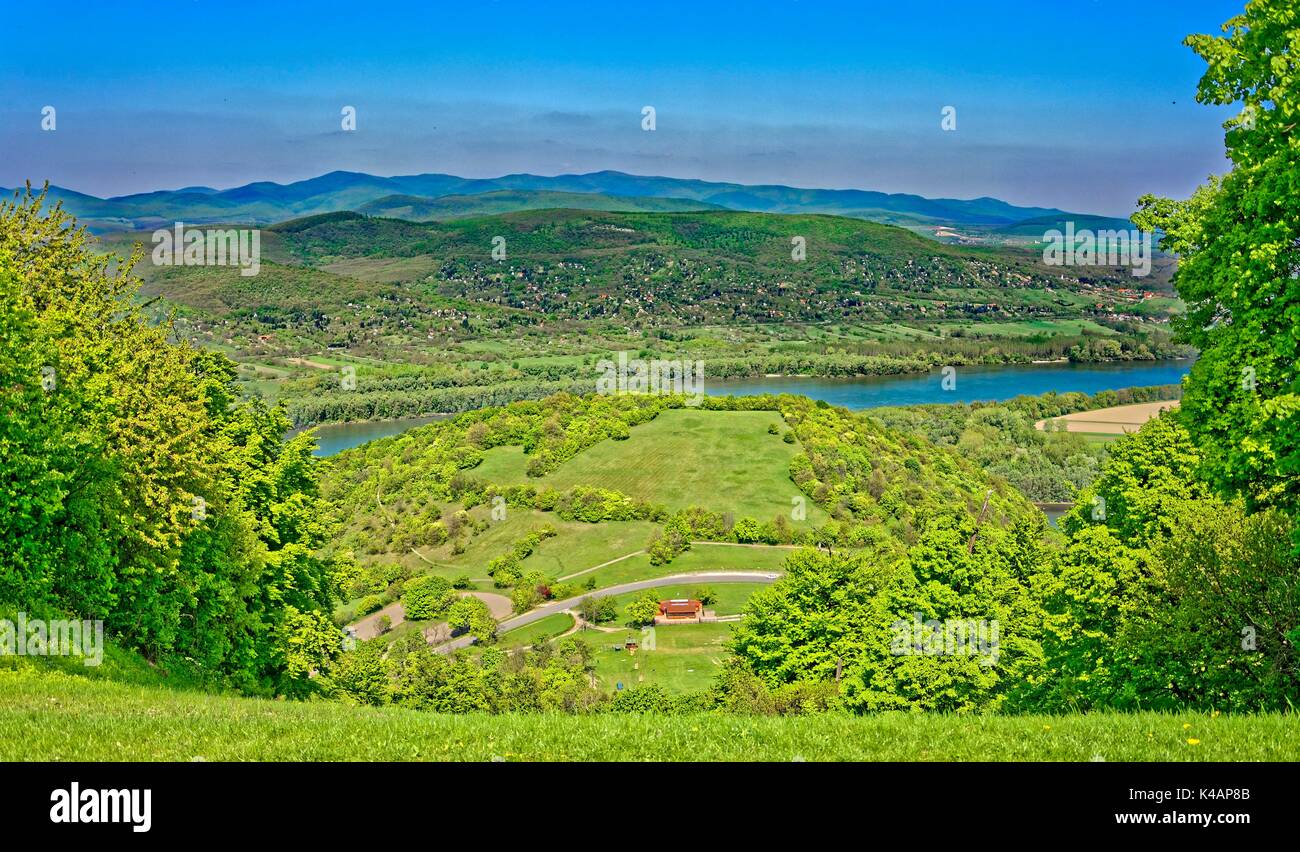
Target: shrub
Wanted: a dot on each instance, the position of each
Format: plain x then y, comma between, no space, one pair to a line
597,610
427,597
705,595
643,609
370,603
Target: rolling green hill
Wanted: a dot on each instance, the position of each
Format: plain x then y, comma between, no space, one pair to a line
265,202
424,310
695,267
421,209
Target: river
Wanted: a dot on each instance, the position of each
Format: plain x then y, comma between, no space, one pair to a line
336,437
972,384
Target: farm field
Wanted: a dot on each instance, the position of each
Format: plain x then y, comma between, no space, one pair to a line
57,717
1117,420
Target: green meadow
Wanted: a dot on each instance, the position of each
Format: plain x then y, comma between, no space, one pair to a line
721,460
53,716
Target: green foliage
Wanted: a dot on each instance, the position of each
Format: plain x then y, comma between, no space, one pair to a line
651,698
1238,242
705,595
1171,598
1000,437
550,678
643,608
1146,479
856,621
597,610
135,489
470,615
427,597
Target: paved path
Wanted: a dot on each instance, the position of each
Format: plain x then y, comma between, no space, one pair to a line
569,603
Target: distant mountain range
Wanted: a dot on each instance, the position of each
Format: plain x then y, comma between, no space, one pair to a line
430,197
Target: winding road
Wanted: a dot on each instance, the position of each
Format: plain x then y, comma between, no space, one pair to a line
554,607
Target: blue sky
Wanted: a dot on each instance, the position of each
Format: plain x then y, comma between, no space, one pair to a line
1082,105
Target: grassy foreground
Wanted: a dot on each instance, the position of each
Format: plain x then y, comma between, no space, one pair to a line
54,716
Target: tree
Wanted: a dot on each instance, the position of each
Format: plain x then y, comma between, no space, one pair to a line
1238,242
747,530
471,615
427,597
136,488
643,608
361,676
597,610
1148,477
705,595
524,597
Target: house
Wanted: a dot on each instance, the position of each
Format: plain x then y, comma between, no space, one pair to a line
680,609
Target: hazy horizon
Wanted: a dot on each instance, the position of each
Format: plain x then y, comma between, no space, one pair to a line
1083,110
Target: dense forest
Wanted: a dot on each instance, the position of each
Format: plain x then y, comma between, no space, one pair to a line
137,488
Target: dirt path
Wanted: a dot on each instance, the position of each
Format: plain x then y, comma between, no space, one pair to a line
601,565
498,605
740,544
368,627
640,552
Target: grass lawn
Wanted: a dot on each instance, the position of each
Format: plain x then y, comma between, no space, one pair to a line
580,546
721,460
732,597
685,657
548,627
575,547
701,557
503,466
47,717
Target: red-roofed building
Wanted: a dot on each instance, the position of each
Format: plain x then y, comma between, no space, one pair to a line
680,609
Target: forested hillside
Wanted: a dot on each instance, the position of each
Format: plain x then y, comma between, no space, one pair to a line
138,488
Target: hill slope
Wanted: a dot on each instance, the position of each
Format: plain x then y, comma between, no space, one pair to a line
694,267
56,718
265,202
417,208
